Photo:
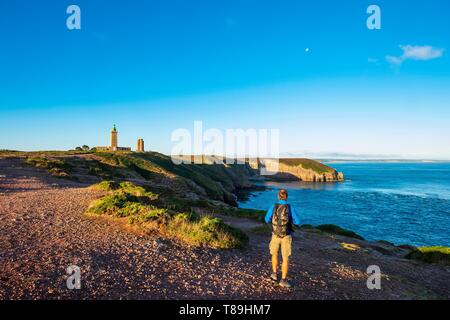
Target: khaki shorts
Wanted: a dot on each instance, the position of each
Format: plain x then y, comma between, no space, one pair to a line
285,244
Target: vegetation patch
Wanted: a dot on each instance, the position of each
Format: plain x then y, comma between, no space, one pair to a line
182,204
254,214
107,185
219,181
350,246
55,167
439,255
16,153
204,231
140,206
69,166
100,170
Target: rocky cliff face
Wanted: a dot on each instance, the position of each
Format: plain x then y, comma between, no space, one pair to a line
288,169
220,181
298,170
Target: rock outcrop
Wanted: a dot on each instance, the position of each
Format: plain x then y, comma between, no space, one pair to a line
297,170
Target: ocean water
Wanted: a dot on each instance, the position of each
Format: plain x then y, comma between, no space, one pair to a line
405,203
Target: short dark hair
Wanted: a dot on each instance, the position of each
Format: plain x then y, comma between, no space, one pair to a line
282,194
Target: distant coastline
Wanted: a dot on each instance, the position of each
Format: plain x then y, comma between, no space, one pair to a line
383,160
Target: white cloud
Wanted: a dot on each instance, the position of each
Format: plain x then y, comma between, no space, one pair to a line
421,53
396,61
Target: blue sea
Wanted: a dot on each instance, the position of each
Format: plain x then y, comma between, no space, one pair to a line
405,203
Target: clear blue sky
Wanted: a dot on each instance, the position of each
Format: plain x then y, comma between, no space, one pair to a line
154,66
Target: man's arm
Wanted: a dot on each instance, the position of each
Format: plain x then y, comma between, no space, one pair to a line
269,213
295,217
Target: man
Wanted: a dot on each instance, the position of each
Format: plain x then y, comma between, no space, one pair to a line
282,216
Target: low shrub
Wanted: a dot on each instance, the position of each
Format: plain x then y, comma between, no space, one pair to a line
117,204
106,185
137,204
55,167
439,255
205,231
182,204
243,213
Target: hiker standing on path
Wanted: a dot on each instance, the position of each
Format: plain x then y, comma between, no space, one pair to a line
282,216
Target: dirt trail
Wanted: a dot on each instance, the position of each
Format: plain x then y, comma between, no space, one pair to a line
43,230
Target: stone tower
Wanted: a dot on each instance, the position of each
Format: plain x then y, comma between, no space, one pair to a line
140,145
114,135
114,145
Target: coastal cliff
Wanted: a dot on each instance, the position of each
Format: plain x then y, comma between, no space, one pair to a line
297,169
204,178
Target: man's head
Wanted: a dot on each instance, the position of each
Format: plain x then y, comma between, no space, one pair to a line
282,194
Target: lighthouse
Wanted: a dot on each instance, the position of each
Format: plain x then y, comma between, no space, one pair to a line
114,145
114,135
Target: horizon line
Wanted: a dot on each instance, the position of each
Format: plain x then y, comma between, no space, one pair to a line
253,157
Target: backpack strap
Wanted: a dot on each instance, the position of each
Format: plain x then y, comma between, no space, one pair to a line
290,212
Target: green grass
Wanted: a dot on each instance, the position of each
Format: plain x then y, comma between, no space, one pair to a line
140,206
439,255
99,169
68,166
218,181
125,187
15,153
188,205
138,191
119,205
107,185
205,231
131,162
242,213
56,167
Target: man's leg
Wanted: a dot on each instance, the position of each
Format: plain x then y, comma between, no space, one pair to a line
284,268
275,263
275,244
286,253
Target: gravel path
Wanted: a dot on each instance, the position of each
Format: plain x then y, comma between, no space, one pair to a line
43,230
